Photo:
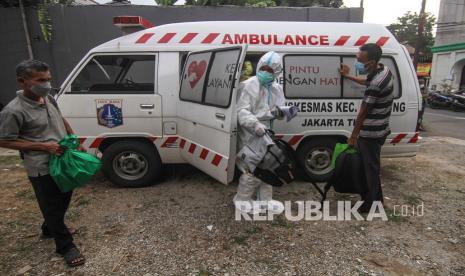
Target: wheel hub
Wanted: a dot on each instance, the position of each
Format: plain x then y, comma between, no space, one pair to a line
318,161
130,165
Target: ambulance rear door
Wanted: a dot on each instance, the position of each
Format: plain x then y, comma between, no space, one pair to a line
207,119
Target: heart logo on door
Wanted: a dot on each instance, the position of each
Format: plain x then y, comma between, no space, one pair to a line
195,72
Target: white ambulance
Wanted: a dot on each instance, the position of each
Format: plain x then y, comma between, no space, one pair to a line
167,95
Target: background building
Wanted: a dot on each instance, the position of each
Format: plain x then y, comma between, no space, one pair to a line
449,47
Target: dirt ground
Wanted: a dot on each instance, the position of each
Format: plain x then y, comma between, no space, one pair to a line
185,226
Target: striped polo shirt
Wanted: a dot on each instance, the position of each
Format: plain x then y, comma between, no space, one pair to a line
378,97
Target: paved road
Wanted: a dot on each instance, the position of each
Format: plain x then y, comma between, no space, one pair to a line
439,122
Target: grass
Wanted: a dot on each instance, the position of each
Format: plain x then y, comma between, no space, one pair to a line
172,236
9,161
395,218
25,194
413,199
203,272
17,225
254,230
240,239
281,221
73,214
81,202
150,205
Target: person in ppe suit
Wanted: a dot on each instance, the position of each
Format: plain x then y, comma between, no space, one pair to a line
258,100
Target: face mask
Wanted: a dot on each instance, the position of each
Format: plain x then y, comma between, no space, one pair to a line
41,89
360,68
265,78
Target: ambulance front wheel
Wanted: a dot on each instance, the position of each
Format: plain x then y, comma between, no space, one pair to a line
315,158
131,164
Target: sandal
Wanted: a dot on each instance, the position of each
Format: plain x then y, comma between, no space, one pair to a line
74,258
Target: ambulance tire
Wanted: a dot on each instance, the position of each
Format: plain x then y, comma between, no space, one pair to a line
314,157
131,164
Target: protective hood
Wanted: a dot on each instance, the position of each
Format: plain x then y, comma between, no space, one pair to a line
273,60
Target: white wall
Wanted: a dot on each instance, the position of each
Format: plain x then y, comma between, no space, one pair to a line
447,65
441,68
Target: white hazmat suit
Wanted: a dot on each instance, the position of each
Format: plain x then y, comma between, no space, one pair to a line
254,110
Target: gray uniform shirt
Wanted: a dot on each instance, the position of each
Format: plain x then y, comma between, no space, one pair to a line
29,120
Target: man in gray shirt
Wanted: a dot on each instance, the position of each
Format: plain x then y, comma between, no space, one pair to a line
33,124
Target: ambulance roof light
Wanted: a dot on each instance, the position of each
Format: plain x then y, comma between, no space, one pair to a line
132,21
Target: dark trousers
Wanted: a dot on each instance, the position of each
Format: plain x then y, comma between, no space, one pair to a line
370,151
53,204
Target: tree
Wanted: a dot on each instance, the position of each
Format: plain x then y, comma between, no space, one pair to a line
261,3
196,2
165,2
44,18
406,29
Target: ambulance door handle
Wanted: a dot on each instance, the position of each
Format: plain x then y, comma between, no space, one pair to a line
220,116
147,106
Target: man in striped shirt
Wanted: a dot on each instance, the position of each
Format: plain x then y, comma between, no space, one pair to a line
372,123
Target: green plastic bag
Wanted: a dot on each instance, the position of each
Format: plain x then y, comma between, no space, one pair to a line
73,168
338,149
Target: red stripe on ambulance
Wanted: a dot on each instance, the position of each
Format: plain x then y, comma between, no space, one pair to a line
382,40
144,38
295,140
210,38
96,143
182,143
169,140
188,38
414,139
398,138
192,148
203,154
342,40
263,39
216,160
362,40
166,38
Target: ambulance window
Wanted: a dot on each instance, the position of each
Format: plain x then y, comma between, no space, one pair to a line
221,78
141,71
193,78
116,74
353,90
309,76
183,56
